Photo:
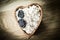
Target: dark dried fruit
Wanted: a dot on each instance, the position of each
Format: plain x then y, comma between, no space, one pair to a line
22,23
21,13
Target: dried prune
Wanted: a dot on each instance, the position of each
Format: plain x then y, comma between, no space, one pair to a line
21,13
22,23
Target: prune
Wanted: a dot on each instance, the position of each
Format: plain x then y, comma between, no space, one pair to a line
21,13
22,23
